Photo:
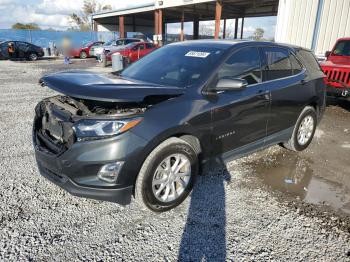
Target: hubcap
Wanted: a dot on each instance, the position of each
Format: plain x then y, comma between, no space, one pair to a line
305,130
33,56
171,177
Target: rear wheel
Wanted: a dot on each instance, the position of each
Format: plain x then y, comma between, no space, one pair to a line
167,175
33,57
83,55
304,130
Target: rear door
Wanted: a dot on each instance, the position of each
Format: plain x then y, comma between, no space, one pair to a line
285,78
239,117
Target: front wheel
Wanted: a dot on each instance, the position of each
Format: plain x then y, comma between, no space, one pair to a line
167,175
304,130
33,57
83,55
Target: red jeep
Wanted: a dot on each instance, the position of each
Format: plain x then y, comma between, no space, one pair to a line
337,69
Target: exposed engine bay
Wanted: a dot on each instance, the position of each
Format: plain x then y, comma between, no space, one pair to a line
56,116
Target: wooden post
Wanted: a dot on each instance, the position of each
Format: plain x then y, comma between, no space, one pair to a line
182,36
156,21
121,27
224,31
218,10
196,28
236,28
95,24
242,25
160,24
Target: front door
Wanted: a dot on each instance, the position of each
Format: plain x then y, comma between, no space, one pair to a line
239,117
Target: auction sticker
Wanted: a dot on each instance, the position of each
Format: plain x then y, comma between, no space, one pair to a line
197,54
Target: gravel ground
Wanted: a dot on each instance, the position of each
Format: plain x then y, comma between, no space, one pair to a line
229,216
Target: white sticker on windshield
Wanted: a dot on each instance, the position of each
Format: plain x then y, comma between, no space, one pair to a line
197,54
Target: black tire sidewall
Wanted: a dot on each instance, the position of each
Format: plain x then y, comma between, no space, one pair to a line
308,112
147,193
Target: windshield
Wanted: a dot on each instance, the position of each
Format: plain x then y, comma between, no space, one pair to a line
108,43
177,65
342,48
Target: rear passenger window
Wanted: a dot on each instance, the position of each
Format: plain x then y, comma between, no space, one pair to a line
277,63
244,64
296,66
308,60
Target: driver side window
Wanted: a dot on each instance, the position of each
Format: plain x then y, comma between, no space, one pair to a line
243,64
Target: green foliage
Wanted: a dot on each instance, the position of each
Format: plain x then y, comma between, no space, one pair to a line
258,34
31,26
82,21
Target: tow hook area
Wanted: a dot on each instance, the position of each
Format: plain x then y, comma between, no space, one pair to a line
345,93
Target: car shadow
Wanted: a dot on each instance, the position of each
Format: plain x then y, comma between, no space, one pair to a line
341,102
204,236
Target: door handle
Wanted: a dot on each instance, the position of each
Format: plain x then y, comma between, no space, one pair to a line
303,81
264,93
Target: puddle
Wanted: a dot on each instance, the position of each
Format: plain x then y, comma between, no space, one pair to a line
293,175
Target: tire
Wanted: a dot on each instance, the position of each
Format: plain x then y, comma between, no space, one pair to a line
83,55
33,57
160,197
296,143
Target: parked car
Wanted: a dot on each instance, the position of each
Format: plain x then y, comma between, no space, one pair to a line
146,131
84,52
337,69
133,51
114,45
22,50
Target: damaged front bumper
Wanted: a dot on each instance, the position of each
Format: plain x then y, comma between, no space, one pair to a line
76,169
75,165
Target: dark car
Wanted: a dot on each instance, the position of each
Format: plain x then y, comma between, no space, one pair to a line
146,131
22,50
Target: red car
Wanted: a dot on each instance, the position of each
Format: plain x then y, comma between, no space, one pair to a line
133,51
337,69
84,52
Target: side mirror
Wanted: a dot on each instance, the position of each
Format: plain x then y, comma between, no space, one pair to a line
327,54
231,84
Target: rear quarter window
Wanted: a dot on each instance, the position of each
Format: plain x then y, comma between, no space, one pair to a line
309,61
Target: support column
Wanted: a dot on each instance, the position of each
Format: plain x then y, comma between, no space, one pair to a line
94,26
236,28
218,10
121,27
196,28
182,36
160,24
242,25
133,23
156,21
224,31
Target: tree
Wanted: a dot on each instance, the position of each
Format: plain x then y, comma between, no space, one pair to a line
82,21
31,26
258,34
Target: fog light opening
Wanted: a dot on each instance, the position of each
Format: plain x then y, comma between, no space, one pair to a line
109,172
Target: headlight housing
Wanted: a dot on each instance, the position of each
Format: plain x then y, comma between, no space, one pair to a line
96,128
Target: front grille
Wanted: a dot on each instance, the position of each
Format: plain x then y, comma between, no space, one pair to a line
338,75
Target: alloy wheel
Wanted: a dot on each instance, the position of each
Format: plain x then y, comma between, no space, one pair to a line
306,129
171,177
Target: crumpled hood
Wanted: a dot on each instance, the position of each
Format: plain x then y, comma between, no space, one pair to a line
87,85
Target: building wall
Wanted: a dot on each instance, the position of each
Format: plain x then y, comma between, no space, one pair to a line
297,23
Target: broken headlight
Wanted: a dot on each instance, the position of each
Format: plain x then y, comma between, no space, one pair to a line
103,128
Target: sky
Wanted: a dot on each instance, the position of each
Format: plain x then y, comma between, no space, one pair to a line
54,14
